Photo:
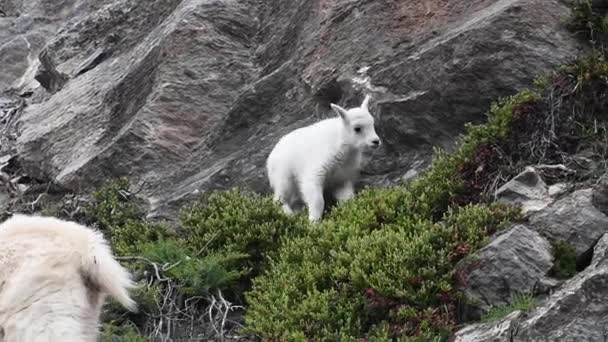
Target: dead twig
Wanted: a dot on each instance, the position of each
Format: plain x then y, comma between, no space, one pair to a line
154,265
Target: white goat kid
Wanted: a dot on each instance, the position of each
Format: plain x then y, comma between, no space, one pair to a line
324,155
54,276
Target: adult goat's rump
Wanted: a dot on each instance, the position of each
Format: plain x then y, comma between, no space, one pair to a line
54,277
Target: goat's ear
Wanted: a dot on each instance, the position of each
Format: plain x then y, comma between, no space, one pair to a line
366,101
339,110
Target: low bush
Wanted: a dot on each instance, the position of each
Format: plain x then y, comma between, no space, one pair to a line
125,333
564,265
590,21
521,302
114,210
241,222
196,274
348,275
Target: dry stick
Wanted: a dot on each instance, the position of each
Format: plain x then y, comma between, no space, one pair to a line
561,167
156,271
10,115
33,204
211,315
229,307
7,181
141,187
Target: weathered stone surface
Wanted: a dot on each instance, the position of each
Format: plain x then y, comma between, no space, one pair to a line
499,331
513,263
599,195
578,311
46,74
190,95
573,219
545,286
558,189
25,28
526,189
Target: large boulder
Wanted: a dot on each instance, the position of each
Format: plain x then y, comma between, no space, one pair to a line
577,311
573,219
184,96
512,264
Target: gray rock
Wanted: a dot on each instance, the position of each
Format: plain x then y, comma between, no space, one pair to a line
97,57
195,93
526,189
499,331
513,263
574,219
556,190
599,195
46,74
545,286
578,311
24,31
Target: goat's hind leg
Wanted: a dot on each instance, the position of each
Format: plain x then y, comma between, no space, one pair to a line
283,194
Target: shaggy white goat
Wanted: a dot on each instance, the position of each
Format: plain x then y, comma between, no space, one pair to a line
54,276
324,155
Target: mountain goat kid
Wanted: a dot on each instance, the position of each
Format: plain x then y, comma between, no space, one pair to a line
324,155
54,276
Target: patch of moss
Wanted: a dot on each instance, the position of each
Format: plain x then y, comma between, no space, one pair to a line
520,302
564,265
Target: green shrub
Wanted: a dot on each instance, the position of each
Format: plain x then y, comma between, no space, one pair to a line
125,333
342,278
196,274
564,260
239,222
115,212
587,19
112,205
588,70
521,302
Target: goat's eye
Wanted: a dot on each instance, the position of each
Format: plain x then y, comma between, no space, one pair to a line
358,129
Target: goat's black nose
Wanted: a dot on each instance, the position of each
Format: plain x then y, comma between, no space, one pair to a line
376,142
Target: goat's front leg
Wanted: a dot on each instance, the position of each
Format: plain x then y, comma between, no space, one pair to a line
345,192
312,194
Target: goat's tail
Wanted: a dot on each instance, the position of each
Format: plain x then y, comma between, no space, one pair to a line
104,272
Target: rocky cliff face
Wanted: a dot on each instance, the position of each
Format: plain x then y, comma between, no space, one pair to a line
183,96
